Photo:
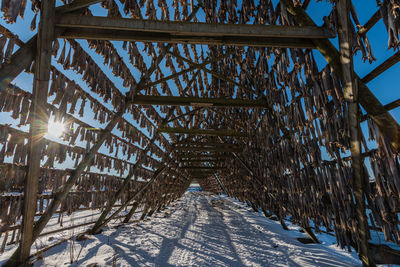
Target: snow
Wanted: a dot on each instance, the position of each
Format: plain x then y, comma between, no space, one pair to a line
200,229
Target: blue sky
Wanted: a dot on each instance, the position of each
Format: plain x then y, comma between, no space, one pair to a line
384,87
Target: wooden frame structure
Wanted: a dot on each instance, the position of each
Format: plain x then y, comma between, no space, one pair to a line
234,116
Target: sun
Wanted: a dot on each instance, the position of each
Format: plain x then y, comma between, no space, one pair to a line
55,129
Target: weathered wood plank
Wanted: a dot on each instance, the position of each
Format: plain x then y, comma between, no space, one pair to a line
196,101
370,23
202,168
387,64
216,149
202,132
178,28
118,35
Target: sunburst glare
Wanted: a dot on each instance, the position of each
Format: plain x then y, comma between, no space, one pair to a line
55,129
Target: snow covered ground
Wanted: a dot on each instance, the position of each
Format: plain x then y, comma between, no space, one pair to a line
200,230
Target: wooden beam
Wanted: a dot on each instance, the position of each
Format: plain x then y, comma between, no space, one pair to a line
199,165
216,149
209,149
351,97
386,123
370,23
198,102
202,143
388,63
201,171
199,154
182,29
200,160
118,35
204,158
202,132
221,185
205,144
20,61
384,254
202,168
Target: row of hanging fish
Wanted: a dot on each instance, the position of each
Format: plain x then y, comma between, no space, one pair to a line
67,92
314,190
304,116
11,208
14,144
16,100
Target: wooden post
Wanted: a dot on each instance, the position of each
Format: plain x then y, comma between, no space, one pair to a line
351,96
310,234
132,211
146,209
153,209
38,125
221,185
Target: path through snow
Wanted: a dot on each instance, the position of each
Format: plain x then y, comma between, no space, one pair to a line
202,230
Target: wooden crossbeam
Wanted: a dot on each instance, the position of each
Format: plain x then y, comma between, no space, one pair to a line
115,35
202,168
203,174
390,106
216,149
387,64
200,160
201,132
193,28
189,166
204,144
105,28
203,158
196,101
370,23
